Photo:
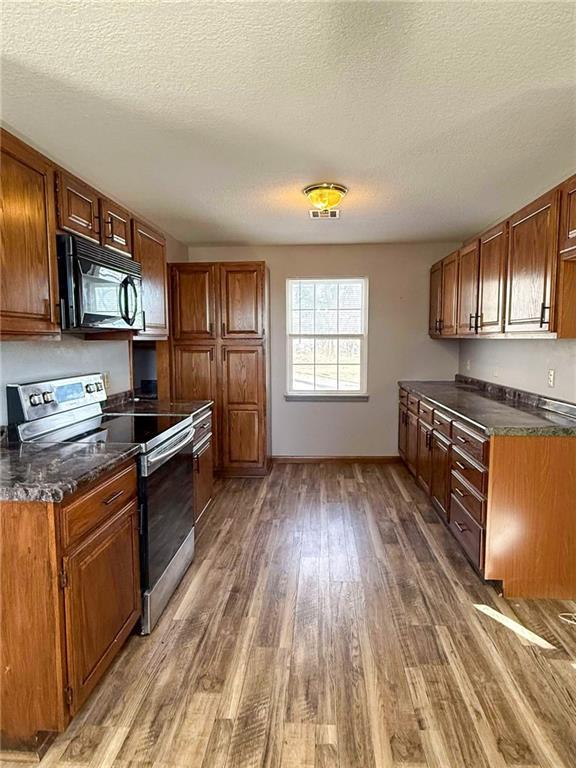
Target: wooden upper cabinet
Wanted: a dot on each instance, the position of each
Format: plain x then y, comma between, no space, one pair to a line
28,292
468,259
102,600
150,252
449,319
242,300
243,411
115,228
568,219
532,266
193,301
493,252
78,206
435,309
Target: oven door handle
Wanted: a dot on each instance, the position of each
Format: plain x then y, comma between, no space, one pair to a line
174,449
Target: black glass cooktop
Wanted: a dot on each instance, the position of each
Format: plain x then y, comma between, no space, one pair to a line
147,431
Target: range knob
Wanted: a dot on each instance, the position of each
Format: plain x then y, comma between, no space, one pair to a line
90,388
48,397
36,399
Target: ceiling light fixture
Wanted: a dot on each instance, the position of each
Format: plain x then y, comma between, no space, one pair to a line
325,195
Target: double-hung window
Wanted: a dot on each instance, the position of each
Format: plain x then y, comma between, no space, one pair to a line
327,327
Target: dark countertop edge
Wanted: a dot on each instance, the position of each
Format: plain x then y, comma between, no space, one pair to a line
56,492
551,431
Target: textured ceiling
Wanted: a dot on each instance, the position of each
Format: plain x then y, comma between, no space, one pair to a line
209,117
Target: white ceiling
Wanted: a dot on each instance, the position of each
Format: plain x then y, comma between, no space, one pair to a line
209,117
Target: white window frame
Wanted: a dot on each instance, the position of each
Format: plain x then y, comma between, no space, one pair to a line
324,394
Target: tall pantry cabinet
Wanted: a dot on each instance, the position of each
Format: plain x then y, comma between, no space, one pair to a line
218,352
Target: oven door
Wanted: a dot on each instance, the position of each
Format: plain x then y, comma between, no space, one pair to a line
107,297
167,538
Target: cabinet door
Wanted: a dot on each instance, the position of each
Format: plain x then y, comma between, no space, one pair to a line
440,474
203,480
435,310
28,291
532,257
468,289
243,407
102,600
411,441
493,252
194,372
424,462
568,219
193,301
402,430
115,227
150,251
448,320
78,207
242,300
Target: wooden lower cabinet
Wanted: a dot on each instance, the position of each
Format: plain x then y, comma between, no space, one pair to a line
402,430
440,474
203,481
67,604
490,492
424,462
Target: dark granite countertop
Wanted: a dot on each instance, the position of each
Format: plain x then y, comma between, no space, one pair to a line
158,407
496,413
51,471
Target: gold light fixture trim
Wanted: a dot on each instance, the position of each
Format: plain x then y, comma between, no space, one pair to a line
325,195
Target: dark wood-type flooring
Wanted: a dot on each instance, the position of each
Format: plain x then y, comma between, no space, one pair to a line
329,620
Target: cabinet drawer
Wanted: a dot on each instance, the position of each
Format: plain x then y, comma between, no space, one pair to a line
474,474
413,403
468,533
203,427
442,423
472,502
474,445
90,510
403,395
426,412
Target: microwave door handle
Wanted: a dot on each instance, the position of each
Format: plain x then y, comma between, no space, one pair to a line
130,282
123,300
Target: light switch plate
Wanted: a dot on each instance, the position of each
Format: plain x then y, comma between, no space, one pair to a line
551,377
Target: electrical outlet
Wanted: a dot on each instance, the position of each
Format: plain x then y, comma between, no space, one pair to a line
496,373
106,380
551,377
467,365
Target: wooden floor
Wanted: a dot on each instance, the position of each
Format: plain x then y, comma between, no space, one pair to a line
329,620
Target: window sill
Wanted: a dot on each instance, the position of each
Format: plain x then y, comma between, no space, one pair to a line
310,397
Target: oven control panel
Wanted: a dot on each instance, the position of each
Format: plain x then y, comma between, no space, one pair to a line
27,402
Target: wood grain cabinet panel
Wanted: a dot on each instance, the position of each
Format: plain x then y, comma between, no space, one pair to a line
115,226
402,430
492,276
424,463
243,406
194,367
150,252
193,289
411,441
568,219
468,264
28,292
440,473
203,479
242,300
449,319
435,310
78,206
532,262
102,600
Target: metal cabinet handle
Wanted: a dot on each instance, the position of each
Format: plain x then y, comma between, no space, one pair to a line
543,310
460,527
459,492
470,321
460,465
113,497
462,439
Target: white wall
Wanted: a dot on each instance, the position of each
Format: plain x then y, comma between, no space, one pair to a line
523,364
37,360
398,346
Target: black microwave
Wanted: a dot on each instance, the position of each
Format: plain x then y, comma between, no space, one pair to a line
99,290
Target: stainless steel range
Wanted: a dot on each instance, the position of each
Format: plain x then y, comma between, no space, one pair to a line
70,410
